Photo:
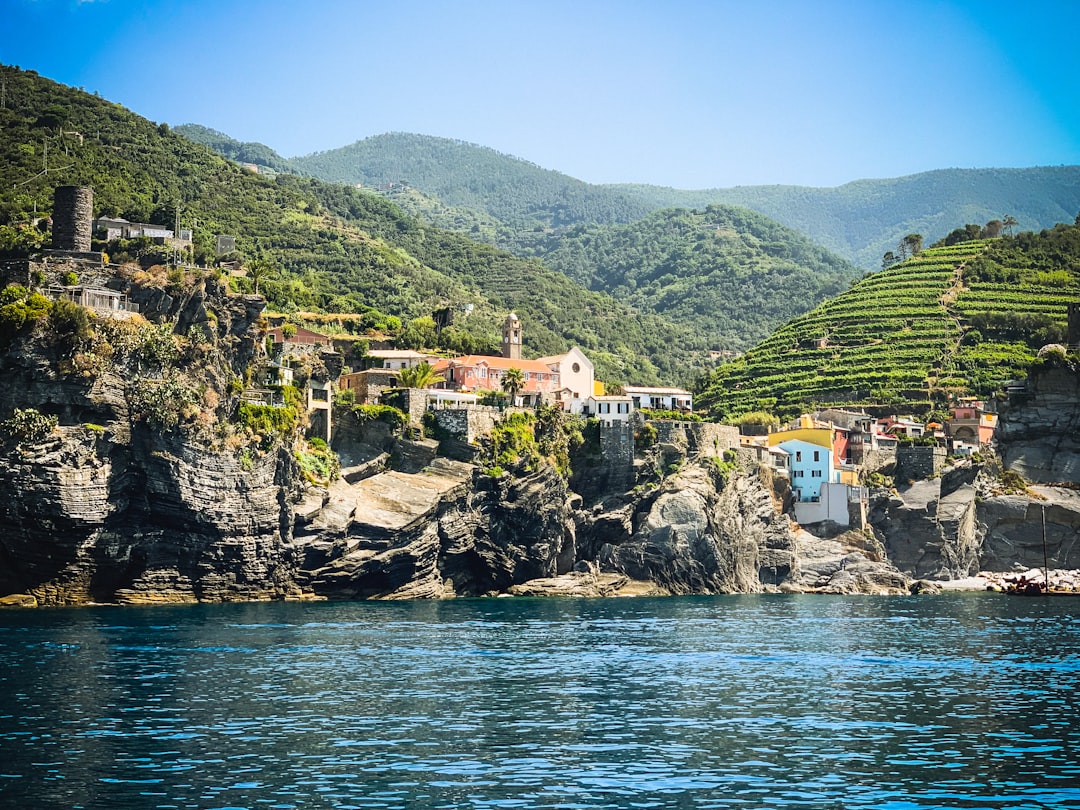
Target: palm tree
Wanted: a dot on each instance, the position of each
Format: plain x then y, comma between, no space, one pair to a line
513,380
259,270
419,376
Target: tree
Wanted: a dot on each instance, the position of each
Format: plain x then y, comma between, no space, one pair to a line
911,244
888,260
260,270
1009,222
419,376
513,380
993,228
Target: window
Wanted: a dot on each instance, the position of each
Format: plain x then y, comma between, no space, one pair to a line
575,368
798,455
482,372
815,473
817,455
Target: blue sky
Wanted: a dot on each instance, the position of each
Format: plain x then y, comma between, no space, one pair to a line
684,93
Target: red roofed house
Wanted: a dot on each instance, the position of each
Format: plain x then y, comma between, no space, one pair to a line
302,336
482,373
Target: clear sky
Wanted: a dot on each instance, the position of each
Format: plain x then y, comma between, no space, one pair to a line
686,93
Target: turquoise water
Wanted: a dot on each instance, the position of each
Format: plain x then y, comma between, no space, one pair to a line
966,701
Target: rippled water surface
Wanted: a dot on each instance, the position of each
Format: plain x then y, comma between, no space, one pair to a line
965,701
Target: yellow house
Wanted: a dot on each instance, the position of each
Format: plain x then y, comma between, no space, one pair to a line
806,432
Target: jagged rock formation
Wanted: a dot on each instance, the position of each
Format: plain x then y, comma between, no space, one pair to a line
1039,435
108,508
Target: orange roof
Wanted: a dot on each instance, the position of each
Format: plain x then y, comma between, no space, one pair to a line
502,363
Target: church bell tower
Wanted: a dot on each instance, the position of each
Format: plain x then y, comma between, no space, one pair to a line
511,332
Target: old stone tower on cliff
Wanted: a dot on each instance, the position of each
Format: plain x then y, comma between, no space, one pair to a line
511,331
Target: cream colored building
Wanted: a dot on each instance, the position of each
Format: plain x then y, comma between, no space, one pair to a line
576,377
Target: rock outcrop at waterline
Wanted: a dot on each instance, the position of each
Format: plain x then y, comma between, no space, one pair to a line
113,506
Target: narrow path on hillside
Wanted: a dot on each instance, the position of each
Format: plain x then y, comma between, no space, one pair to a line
948,298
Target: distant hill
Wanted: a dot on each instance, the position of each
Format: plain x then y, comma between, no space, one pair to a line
862,220
460,174
257,154
337,249
730,274
859,221
952,321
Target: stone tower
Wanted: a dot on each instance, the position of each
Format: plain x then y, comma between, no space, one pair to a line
73,211
511,331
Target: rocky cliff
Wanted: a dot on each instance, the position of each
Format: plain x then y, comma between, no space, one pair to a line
134,499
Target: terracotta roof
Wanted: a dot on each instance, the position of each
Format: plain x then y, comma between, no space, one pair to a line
502,363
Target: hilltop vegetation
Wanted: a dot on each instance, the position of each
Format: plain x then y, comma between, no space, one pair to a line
952,321
330,247
728,273
863,219
513,191
858,221
729,276
258,154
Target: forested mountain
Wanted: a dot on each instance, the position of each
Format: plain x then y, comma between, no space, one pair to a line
950,322
513,191
258,154
731,276
859,221
862,220
336,248
729,273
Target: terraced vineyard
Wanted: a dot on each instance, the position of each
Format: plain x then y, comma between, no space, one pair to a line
902,339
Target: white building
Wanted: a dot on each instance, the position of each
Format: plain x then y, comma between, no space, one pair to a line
397,359
609,409
667,399
576,376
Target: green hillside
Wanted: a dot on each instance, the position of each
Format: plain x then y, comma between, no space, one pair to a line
337,248
513,191
728,273
730,276
951,321
862,220
859,221
258,154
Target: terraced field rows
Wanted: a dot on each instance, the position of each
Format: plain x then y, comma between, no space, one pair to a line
881,342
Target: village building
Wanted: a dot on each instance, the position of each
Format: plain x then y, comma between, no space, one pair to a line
367,386
576,375
302,337
101,300
397,359
483,373
609,409
668,399
971,425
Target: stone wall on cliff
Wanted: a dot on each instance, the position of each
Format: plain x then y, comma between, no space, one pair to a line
1039,433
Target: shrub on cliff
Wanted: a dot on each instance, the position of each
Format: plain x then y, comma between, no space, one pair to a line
20,311
28,426
266,421
160,403
70,325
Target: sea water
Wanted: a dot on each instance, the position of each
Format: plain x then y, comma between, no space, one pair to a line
966,701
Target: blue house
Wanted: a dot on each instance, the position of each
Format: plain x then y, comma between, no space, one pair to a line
811,465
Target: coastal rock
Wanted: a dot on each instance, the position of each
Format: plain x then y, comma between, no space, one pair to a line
847,563
698,533
1039,435
1012,530
929,529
